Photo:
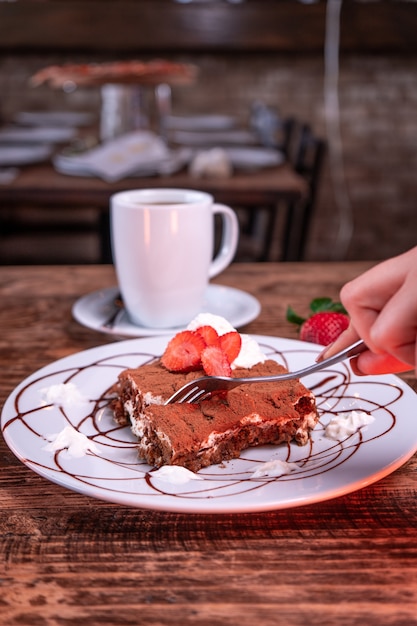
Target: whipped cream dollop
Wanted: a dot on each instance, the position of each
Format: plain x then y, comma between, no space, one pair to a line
343,426
250,353
62,394
77,444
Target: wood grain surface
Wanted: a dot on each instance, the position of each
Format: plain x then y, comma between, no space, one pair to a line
68,559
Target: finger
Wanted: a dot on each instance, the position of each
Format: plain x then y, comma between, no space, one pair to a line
368,295
363,311
382,304
395,330
346,339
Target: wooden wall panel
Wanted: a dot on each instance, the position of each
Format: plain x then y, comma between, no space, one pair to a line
163,25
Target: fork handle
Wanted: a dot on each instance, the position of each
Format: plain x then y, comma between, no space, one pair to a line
348,352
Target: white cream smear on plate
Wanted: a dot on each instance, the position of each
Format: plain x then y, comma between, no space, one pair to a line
61,394
76,444
343,426
175,474
274,468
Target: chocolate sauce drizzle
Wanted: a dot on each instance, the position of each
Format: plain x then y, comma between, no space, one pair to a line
115,473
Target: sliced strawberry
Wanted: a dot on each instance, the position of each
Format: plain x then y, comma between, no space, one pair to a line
231,343
209,335
183,352
215,362
324,328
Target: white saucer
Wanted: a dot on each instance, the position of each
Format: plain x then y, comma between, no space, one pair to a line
95,309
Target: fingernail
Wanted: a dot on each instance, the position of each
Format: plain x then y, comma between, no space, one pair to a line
322,354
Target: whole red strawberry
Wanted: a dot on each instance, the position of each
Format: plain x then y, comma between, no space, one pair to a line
326,322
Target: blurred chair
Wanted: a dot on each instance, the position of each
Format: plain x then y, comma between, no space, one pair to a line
258,222
306,153
308,162
272,130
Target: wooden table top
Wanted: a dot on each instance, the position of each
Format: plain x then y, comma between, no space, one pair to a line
40,184
70,559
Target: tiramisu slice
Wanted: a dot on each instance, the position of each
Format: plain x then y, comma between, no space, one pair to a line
217,429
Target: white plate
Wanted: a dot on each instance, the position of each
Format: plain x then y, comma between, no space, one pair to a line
254,158
95,309
21,155
326,469
36,134
199,122
213,138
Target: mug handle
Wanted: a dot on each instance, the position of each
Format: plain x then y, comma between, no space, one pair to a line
229,241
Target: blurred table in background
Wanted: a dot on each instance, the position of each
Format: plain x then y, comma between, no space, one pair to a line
39,185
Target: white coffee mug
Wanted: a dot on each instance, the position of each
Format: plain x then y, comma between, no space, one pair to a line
163,246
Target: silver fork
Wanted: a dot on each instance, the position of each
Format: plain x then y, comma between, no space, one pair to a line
201,388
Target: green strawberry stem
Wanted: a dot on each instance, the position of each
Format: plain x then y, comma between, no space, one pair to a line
321,305
293,317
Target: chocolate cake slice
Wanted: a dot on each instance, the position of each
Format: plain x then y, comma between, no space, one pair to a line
217,429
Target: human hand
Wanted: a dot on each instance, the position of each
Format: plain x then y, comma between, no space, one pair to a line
382,305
